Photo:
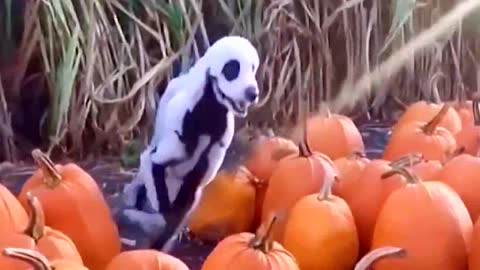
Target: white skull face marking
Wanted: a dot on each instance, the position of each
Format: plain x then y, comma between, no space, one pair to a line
232,63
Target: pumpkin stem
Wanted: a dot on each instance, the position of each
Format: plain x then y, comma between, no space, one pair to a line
263,238
476,113
326,191
35,258
407,160
377,254
430,127
410,177
50,174
36,224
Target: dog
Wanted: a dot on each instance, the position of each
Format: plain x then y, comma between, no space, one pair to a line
194,126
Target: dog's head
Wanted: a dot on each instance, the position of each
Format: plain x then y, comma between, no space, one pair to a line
231,65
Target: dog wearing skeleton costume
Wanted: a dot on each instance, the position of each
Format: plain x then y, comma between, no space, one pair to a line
194,126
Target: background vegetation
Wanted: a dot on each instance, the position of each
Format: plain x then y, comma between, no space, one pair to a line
82,77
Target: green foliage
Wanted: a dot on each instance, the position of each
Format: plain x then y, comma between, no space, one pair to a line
104,59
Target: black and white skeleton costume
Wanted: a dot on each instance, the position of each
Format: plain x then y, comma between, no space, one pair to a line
194,126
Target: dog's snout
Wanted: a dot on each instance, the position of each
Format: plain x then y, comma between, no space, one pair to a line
251,93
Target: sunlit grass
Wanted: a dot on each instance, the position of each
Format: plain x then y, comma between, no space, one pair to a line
103,60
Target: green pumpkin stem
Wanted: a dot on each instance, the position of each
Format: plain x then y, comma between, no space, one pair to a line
408,160
34,258
51,176
377,254
263,238
430,127
36,224
409,176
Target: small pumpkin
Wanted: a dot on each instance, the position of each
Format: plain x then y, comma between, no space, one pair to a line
334,135
348,167
35,259
295,176
145,259
379,254
414,216
326,227
227,206
423,111
469,136
53,244
251,251
365,196
13,216
462,173
265,155
74,204
429,139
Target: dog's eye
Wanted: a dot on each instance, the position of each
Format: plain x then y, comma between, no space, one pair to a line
231,70
253,67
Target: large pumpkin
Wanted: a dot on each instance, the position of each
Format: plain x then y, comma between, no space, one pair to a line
474,256
295,176
74,204
375,255
322,224
429,221
429,139
266,153
251,251
334,135
365,196
54,245
469,136
145,259
423,111
462,173
349,168
12,215
227,206
31,258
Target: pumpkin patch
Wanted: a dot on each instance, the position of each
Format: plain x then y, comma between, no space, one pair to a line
71,200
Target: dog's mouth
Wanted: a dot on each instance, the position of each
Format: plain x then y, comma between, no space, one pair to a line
239,107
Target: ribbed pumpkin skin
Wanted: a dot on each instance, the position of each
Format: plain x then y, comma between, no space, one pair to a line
428,220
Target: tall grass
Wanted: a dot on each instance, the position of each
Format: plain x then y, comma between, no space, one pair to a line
104,62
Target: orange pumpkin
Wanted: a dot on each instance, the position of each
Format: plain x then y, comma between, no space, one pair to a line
474,256
263,159
462,173
469,136
74,204
227,206
423,111
145,259
329,232
349,167
251,251
379,254
429,139
428,220
334,135
51,243
31,258
365,196
12,215
295,176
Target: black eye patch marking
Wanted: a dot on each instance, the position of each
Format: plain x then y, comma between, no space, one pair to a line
231,70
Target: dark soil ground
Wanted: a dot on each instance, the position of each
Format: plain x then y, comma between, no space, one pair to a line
111,178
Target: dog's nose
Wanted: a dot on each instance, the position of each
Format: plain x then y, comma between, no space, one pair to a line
251,93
